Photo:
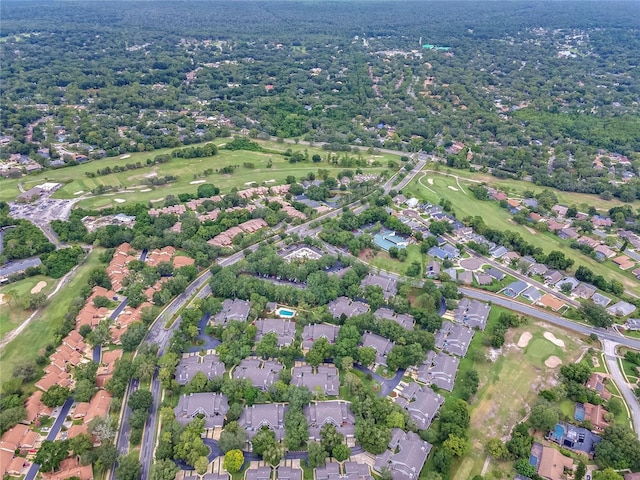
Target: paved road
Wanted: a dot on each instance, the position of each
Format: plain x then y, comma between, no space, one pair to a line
546,316
386,384
53,433
614,369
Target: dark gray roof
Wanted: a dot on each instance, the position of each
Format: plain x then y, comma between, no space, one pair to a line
472,313
532,293
407,462
325,377
270,415
235,309
515,288
260,473
403,319
454,338
330,471
284,329
346,306
288,473
261,373
495,273
389,285
424,407
208,364
316,331
439,370
213,406
381,345
357,471
336,412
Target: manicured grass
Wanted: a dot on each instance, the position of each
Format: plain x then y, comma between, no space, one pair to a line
507,386
186,169
28,345
517,187
464,204
539,349
12,314
383,261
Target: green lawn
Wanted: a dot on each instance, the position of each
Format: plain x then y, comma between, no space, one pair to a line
11,313
464,204
507,385
188,171
28,345
516,187
383,261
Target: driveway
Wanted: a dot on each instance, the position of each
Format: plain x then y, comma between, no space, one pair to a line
387,385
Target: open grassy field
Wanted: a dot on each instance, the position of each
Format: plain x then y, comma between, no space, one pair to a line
516,187
508,386
28,345
11,312
187,170
431,186
383,261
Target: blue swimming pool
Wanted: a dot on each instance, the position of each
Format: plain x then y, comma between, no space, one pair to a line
285,313
558,432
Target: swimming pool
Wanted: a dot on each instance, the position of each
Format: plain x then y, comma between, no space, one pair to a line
285,312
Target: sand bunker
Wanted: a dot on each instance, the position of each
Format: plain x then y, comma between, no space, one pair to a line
552,338
552,361
430,181
2,300
195,182
39,286
119,200
145,190
524,339
125,156
453,188
161,199
80,192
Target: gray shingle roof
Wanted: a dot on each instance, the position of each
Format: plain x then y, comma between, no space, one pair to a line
316,331
407,462
325,377
261,373
336,412
208,364
270,415
235,309
284,329
214,407
381,345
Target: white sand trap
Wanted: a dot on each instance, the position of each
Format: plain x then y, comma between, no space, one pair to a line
80,192
2,300
273,180
552,338
151,175
145,190
195,182
119,200
430,181
161,199
552,361
453,188
39,286
246,184
125,156
524,339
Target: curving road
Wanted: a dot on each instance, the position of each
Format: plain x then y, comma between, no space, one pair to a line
611,358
